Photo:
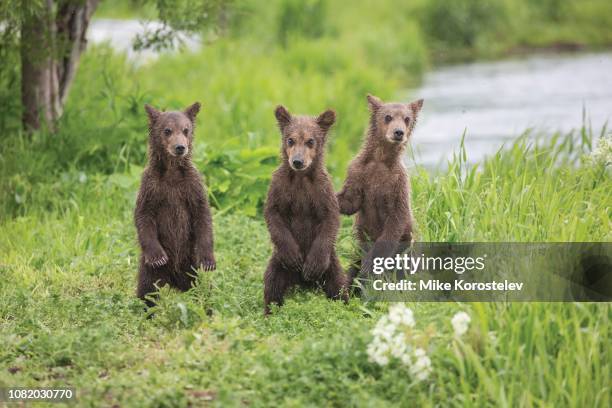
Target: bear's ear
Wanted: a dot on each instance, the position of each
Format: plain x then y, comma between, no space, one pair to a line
326,119
152,113
283,117
192,111
374,103
416,106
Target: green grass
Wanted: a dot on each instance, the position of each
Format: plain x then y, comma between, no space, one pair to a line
68,314
68,251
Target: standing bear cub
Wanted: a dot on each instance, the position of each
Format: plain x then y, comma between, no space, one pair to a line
377,187
172,215
302,213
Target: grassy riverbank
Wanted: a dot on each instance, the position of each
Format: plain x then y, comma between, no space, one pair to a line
68,253
68,314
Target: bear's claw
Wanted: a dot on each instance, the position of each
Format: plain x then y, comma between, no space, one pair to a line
293,262
313,271
160,261
208,265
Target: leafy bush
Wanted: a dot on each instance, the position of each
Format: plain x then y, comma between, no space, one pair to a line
462,24
401,47
239,179
301,18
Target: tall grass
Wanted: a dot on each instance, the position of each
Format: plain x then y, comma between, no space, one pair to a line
533,191
68,315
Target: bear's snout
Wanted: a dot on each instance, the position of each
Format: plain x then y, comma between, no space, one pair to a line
298,163
180,149
398,135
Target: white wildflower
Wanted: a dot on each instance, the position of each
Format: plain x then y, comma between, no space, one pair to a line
398,345
391,341
378,356
400,314
422,365
460,322
602,154
406,359
377,352
381,359
384,328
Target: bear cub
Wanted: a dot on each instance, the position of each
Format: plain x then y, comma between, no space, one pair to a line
302,212
172,214
377,187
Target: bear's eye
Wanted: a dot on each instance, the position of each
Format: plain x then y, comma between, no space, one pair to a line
185,131
310,143
167,132
290,142
388,118
407,120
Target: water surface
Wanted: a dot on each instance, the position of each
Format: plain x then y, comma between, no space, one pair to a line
120,34
494,102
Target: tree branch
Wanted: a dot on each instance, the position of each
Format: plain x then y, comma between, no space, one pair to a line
72,22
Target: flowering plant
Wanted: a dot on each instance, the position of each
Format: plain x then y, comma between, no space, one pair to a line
395,339
392,341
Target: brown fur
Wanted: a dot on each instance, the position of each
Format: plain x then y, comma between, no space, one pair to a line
377,187
302,212
172,215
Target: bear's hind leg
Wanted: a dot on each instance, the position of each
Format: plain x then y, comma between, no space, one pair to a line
277,280
185,279
335,281
148,277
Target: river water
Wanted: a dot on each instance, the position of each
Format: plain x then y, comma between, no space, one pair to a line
120,34
493,102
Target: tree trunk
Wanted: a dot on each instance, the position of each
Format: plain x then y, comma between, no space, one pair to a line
52,42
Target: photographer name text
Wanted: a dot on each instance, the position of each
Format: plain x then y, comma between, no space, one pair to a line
436,285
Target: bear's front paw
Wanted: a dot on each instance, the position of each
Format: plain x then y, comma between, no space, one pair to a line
292,259
315,268
345,205
208,264
204,258
156,258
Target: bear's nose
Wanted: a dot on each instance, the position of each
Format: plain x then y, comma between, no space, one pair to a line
179,149
297,163
398,134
